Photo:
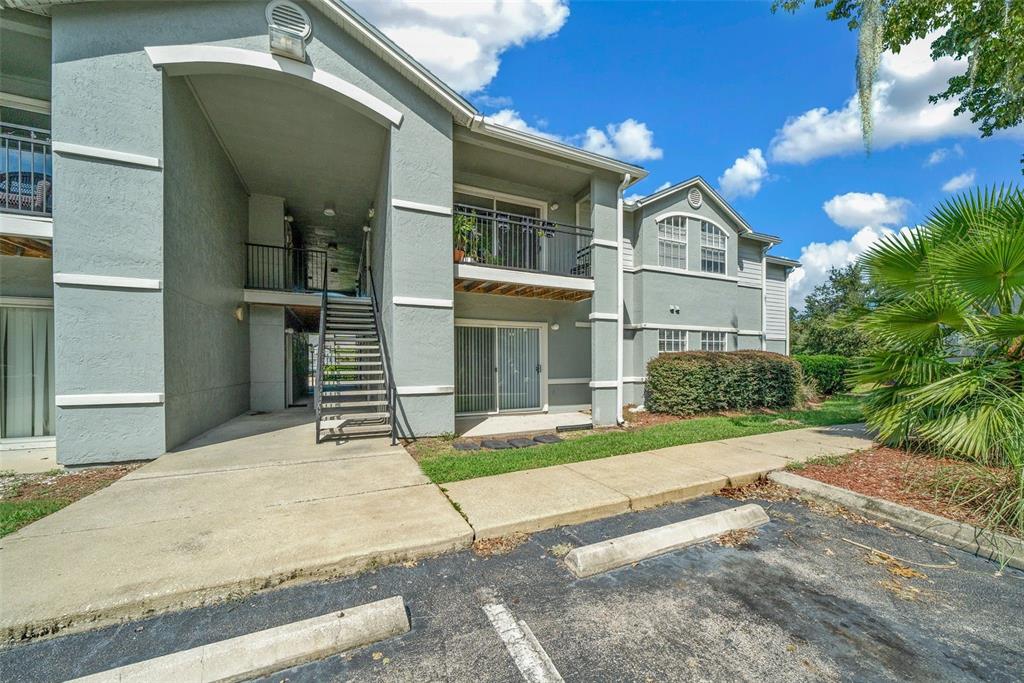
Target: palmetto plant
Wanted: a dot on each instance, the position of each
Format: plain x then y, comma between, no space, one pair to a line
948,373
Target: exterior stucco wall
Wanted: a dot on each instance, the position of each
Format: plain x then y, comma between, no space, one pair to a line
646,246
605,302
28,277
206,348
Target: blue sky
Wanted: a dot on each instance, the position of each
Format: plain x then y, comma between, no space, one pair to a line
707,82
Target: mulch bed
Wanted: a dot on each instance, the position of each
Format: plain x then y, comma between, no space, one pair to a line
894,475
61,485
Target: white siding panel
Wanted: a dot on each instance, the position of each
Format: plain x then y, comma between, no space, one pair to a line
749,272
627,253
775,297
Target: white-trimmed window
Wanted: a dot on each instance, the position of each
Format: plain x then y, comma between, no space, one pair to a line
713,243
671,341
672,242
712,341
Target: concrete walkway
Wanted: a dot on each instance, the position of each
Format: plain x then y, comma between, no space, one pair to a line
538,499
252,504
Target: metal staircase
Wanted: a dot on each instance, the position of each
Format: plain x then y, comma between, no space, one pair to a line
353,391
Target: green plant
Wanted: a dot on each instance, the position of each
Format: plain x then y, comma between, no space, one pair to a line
948,375
827,372
463,226
697,382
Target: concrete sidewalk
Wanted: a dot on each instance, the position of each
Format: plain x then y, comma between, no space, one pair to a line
253,504
538,499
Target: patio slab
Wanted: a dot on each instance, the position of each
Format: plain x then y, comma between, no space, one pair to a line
517,424
533,500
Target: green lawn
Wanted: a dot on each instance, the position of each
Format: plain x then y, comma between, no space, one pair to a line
16,514
451,465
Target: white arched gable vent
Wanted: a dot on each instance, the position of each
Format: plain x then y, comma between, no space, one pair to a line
288,16
694,197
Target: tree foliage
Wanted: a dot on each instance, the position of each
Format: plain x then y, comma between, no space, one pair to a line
989,34
826,325
949,366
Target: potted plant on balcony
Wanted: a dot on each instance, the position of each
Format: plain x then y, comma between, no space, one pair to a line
462,229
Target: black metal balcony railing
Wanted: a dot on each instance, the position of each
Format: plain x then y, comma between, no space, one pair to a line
26,170
508,240
284,269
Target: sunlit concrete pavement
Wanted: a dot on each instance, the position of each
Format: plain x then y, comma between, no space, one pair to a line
576,492
797,602
252,504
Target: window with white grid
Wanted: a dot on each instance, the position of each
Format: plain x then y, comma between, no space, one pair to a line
671,341
712,341
712,248
672,242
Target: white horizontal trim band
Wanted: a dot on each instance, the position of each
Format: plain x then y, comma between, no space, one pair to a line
603,316
84,280
583,324
471,271
419,206
745,284
66,400
27,226
105,154
634,380
604,243
771,338
269,297
680,271
26,302
425,390
419,301
604,384
569,380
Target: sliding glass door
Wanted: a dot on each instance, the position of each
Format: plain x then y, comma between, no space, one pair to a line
498,368
26,372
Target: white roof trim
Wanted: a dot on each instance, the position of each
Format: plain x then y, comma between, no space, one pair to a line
181,60
685,185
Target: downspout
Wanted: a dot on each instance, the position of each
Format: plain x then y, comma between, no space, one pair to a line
622,300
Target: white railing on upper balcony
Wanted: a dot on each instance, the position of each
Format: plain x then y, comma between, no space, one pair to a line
26,170
508,240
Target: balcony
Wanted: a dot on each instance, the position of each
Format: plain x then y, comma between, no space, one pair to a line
517,255
26,171
284,275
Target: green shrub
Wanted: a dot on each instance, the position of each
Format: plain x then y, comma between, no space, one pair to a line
698,382
828,372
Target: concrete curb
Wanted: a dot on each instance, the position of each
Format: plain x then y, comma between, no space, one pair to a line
618,552
987,544
264,652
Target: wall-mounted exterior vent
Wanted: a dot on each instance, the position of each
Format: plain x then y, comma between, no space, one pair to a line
288,16
695,198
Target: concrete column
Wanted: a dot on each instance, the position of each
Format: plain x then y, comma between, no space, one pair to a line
418,272
604,305
266,358
108,221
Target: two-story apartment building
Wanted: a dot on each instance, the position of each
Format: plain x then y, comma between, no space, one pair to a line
212,208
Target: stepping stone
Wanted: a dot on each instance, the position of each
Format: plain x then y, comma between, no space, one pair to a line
495,444
547,438
465,446
522,443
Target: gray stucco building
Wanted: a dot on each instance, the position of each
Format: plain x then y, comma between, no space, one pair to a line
188,184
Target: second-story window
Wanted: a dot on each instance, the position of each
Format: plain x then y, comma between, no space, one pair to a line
672,242
712,248
671,341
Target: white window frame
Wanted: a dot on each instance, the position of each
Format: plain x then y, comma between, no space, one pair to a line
709,243
496,196
674,241
714,339
671,340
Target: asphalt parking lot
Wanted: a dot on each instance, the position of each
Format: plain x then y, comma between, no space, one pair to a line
797,601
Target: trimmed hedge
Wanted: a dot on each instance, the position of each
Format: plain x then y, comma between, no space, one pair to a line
828,372
698,382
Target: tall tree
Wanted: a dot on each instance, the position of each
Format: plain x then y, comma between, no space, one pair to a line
826,323
989,34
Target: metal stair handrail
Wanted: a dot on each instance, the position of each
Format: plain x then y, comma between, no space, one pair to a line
390,391
320,353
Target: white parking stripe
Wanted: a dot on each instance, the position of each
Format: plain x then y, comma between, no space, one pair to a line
529,657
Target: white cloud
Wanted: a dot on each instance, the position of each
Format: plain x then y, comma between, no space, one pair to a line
857,209
902,113
942,153
744,177
630,140
462,42
959,182
818,258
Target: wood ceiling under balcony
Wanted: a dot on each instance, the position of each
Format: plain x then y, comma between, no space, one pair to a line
515,289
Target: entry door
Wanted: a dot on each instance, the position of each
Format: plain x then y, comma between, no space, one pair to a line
497,369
